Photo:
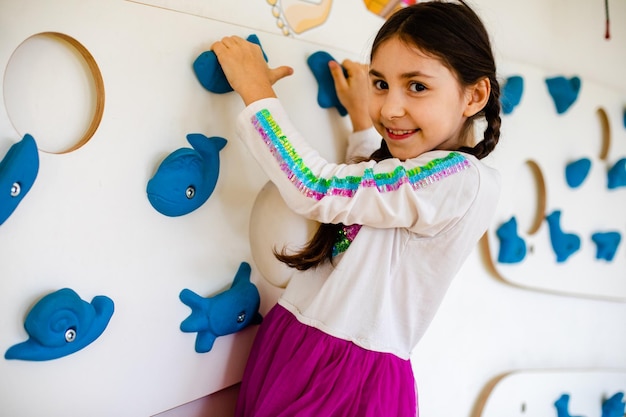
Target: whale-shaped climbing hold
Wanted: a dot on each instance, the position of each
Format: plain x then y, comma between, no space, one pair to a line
606,244
210,73
60,324
564,92
512,247
18,171
617,175
614,406
511,94
577,171
186,178
563,244
326,93
222,314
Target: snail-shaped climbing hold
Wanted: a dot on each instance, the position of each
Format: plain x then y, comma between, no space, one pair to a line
61,323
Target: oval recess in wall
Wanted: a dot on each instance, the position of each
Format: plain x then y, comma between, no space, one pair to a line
53,90
605,128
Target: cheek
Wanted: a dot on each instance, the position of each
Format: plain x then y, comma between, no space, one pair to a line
374,107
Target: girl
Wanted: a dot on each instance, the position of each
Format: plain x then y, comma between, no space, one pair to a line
397,226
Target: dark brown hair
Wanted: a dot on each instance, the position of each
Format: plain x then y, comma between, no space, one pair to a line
453,33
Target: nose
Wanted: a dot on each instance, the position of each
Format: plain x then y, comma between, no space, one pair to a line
393,105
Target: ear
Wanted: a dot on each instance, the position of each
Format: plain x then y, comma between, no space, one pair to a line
477,96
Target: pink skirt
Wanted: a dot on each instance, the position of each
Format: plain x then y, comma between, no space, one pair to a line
298,370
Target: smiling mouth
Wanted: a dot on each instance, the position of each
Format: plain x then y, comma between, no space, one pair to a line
400,134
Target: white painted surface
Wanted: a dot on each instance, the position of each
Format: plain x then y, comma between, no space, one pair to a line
86,223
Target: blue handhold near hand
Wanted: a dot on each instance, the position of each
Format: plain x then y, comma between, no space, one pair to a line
187,177
326,93
512,247
606,244
18,171
564,92
511,94
614,406
210,73
563,244
577,171
225,313
61,323
617,175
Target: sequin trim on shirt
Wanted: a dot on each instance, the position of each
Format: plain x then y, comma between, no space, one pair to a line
317,187
345,236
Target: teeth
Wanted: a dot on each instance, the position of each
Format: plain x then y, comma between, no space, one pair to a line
400,132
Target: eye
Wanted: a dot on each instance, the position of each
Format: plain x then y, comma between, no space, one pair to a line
190,192
417,87
16,189
70,335
241,317
380,85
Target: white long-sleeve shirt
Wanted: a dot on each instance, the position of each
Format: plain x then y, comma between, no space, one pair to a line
420,220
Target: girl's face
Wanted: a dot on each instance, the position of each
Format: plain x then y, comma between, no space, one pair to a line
416,103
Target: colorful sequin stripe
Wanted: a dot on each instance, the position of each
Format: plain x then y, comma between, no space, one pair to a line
317,187
345,236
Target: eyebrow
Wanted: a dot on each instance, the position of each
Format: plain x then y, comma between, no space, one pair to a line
406,75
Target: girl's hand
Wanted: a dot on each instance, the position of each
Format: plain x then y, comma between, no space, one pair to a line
246,70
353,91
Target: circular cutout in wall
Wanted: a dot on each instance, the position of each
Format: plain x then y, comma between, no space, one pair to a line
53,90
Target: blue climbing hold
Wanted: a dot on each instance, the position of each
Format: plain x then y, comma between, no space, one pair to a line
511,94
512,247
186,178
60,324
577,171
564,92
225,313
18,171
326,93
606,244
562,406
210,73
617,175
563,244
614,406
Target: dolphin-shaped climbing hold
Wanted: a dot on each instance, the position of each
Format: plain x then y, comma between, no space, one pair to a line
187,177
18,171
225,313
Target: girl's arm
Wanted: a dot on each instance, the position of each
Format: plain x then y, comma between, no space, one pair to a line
426,194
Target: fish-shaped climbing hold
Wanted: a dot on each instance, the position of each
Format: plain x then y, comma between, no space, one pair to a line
187,177
210,73
60,324
222,314
563,244
18,171
326,93
512,247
